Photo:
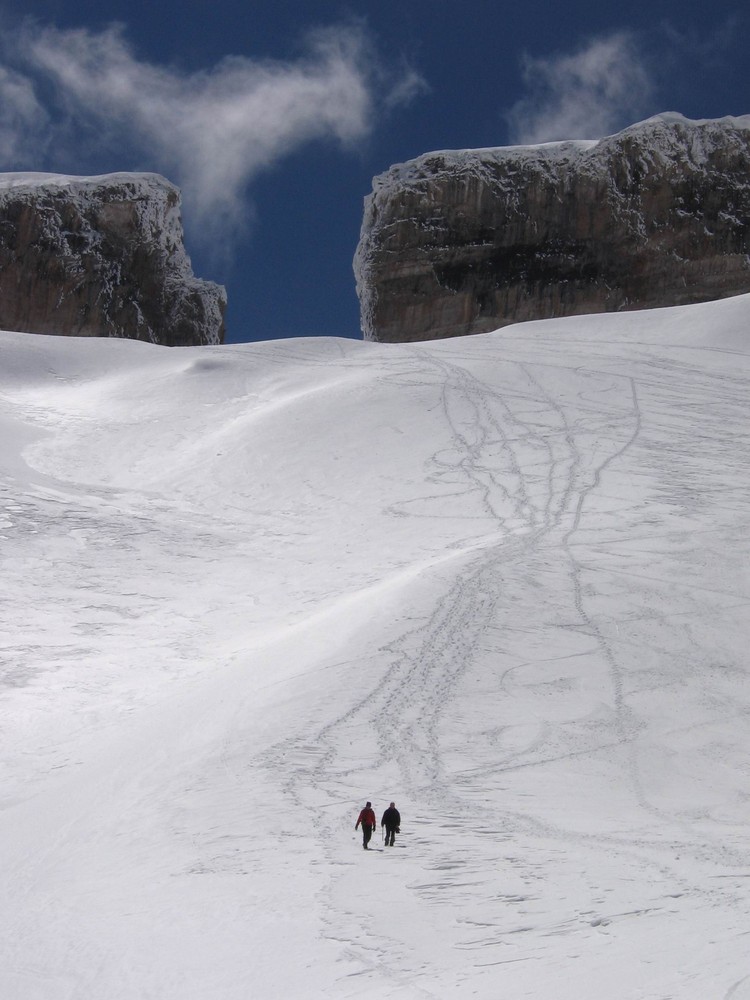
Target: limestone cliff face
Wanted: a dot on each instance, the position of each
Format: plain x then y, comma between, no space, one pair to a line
101,257
464,242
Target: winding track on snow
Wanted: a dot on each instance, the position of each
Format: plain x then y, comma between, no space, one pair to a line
535,461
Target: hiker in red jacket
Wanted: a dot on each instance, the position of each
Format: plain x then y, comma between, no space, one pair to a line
368,821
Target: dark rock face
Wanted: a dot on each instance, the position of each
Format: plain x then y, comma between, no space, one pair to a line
101,257
464,242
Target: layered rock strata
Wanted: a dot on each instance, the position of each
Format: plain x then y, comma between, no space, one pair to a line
101,257
463,242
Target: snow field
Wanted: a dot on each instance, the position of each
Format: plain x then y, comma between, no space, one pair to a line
500,580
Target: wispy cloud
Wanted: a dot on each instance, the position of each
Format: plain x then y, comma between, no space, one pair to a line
595,91
23,120
213,131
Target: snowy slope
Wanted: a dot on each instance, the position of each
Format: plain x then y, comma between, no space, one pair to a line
502,580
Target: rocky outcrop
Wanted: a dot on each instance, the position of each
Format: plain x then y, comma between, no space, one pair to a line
101,257
463,242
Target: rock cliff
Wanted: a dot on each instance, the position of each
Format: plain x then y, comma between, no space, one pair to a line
462,242
101,257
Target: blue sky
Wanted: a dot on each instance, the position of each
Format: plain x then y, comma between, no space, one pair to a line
274,117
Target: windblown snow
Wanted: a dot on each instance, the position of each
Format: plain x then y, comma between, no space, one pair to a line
502,581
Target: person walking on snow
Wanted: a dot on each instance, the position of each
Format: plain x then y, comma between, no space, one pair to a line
368,821
391,823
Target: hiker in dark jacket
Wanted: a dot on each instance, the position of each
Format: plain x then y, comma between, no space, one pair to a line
368,821
391,823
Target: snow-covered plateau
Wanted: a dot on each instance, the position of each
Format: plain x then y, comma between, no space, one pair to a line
503,581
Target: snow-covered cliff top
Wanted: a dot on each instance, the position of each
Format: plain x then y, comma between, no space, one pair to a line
37,179
660,128
157,200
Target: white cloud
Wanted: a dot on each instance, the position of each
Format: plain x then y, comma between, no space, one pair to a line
404,89
23,120
213,131
591,93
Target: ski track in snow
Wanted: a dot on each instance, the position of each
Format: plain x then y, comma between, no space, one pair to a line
502,580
